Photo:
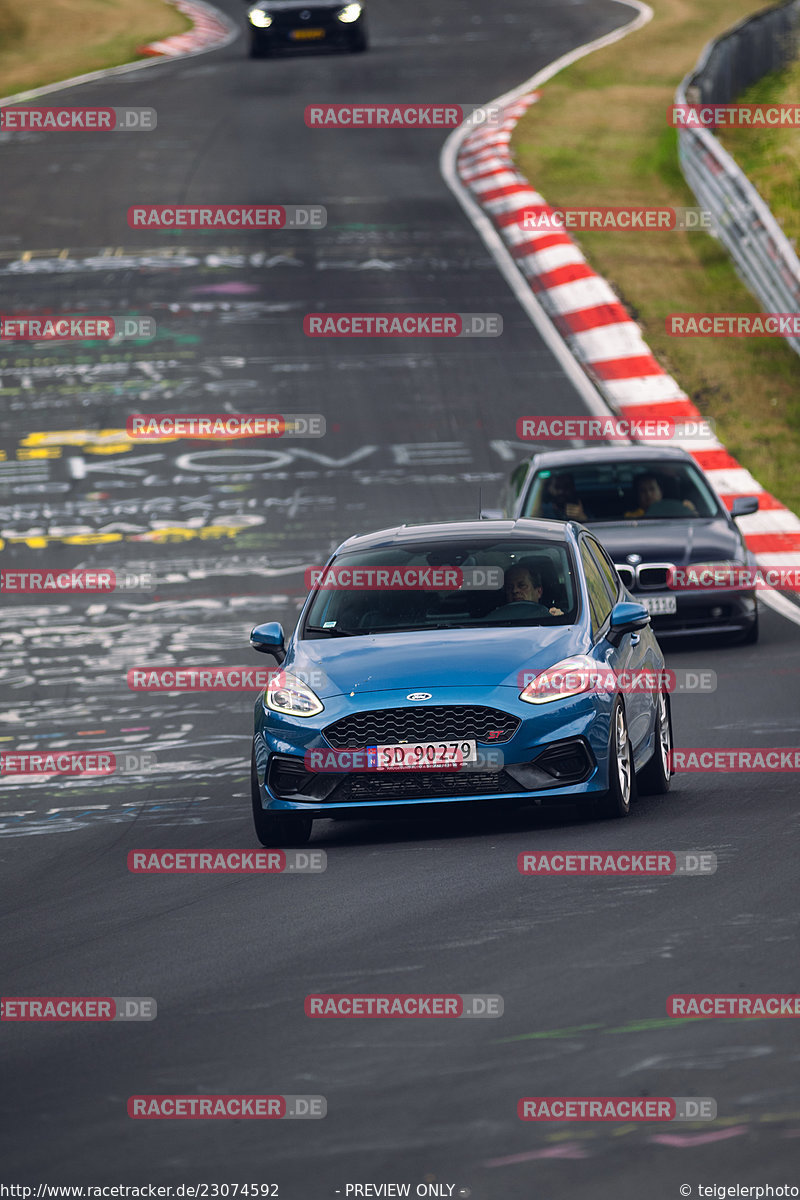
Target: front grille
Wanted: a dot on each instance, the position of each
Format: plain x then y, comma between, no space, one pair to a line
645,576
387,726
655,576
425,785
291,19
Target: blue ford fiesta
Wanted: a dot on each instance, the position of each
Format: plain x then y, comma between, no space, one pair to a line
460,662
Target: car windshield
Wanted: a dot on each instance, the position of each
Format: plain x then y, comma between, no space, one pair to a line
618,491
445,585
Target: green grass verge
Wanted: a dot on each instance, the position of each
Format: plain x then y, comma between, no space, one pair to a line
49,41
771,159
599,136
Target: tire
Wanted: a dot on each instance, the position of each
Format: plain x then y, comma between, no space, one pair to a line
751,637
278,829
616,802
653,779
258,49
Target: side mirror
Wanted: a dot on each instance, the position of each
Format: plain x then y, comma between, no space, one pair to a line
492,514
743,506
269,639
626,617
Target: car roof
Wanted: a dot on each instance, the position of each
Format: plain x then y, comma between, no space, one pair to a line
524,528
598,454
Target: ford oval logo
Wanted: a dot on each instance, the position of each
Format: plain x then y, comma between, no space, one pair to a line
419,696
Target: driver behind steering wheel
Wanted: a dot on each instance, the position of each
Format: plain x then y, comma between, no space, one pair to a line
523,584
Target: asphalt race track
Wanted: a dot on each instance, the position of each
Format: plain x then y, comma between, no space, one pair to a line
416,429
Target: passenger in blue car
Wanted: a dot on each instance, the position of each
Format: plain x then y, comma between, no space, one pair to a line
523,586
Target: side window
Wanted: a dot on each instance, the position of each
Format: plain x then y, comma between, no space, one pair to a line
514,487
600,602
607,568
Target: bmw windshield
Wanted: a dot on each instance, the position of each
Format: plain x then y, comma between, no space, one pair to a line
621,491
444,585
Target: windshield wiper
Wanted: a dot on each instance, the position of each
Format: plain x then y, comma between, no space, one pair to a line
333,632
411,628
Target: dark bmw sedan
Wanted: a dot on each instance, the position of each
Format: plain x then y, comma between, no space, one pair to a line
656,514
277,25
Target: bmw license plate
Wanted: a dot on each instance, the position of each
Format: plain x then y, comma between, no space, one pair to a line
658,605
307,35
428,756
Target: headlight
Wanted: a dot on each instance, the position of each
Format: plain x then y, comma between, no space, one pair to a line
259,18
289,695
350,13
570,677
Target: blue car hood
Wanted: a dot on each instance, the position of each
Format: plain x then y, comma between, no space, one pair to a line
439,658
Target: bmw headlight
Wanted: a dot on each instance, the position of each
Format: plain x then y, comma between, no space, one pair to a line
570,677
287,694
259,18
350,13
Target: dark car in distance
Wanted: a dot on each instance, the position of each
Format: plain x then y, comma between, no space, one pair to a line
277,25
655,512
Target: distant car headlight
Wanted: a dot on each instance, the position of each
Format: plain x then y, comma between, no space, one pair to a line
259,18
570,677
287,694
350,13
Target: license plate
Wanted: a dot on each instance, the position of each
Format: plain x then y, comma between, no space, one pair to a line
423,756
657,605
308,35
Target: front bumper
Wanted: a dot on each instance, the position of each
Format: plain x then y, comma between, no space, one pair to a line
559,753
336,35
704,612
